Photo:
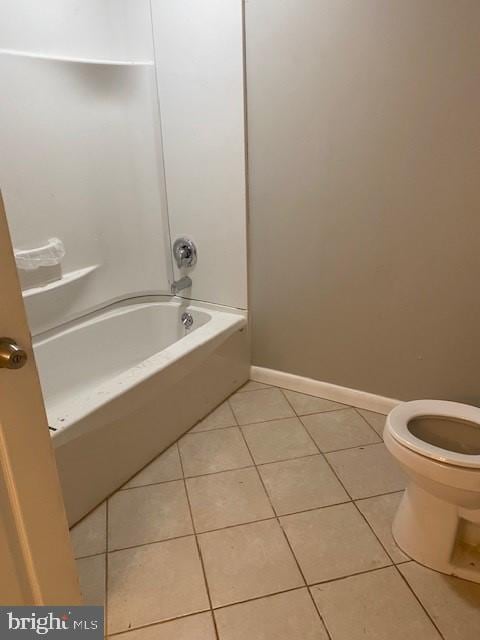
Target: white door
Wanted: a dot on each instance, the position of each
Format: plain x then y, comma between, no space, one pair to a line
36,560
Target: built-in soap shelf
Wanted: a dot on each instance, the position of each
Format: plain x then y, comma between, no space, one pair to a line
54,58
64,281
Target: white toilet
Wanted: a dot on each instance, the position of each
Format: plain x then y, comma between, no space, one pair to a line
438,521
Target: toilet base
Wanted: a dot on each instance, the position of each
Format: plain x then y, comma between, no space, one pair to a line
438,534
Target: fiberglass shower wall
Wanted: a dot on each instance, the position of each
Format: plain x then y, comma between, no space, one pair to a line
81,157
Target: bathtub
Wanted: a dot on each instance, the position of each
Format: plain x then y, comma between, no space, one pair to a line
124,383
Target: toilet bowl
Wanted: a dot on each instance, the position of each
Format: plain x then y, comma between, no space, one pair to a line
437,444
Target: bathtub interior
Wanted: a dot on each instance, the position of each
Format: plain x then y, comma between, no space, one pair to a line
103,345
129,341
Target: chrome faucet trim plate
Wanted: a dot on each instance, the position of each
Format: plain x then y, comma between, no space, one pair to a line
185,252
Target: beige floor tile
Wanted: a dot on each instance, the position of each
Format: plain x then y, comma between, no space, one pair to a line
339,430
375,420
213,451
164,468
304,483
89,536
453,604
251,385
286,616
304,404
220,417
155,582
91,575
248,561
227,498
373,606
197,627
367,471
333,542
379,512
148,514
278,440
258,406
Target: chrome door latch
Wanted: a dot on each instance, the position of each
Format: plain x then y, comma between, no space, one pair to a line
11,355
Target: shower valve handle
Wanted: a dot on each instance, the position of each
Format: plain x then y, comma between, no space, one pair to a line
11,355
185,252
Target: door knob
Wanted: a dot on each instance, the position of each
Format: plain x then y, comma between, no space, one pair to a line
11,355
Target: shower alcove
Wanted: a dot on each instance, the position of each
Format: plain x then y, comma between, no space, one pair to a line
102,153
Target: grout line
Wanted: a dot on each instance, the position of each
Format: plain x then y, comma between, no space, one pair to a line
191,432
379,495
237,424
91,555
351,575
277,518
249,466
194,431
259,422
240,524
214,473
265,595
159,622
324,622
308,587
418,600
275,515
295,415
148,484
145,544
171,445
199,550
345,407
252,466
355,506
358,446
324,456
367,422
318,508
379,541
123,488
231,526
242,390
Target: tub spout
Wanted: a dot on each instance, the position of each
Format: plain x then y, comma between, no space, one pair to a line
179,285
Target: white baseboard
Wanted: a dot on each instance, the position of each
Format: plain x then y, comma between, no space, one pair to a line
352,397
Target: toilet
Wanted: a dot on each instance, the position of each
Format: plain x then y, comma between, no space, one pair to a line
437,444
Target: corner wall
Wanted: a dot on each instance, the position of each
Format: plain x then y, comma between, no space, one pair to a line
199,59
364,172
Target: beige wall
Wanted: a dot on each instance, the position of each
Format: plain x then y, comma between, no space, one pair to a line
364,152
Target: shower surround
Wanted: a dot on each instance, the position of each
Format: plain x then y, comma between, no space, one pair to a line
123,129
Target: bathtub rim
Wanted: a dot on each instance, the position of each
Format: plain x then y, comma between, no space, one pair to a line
197,345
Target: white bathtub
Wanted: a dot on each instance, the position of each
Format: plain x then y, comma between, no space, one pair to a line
124,383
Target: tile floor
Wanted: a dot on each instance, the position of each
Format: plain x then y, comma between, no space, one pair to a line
269,520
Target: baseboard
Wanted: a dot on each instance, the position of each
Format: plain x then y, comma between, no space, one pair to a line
353,397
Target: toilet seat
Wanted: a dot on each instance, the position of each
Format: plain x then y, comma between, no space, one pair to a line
400,416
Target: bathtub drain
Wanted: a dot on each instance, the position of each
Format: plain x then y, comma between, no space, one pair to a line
187,320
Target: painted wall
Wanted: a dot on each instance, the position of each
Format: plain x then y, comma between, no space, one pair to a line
199,56
364,173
